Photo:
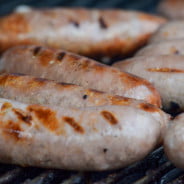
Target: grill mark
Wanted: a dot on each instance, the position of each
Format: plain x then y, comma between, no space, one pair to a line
36,50
75,23
169,70
60,56
45,57
176,52
22,116
6,106
109,117
85,97
102,23
46,117
119,100
148,107
12,130
74,124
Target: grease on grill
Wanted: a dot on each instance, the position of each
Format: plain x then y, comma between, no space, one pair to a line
74,124
102,23
109,117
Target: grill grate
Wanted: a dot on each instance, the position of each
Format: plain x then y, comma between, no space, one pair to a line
154,169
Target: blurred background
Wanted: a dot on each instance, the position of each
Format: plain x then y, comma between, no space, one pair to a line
6,6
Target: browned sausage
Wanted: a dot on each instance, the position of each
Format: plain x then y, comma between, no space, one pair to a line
31,90
91,138
166,72
65,67
94,33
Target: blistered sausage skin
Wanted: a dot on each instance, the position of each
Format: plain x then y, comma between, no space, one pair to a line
66,67
31,90
91,138
165,72
94,33
174,141
169,47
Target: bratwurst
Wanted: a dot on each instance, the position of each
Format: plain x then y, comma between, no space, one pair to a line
66,67
94,33
91,138
31,90
165,72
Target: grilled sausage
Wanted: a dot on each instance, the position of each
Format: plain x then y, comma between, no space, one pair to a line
91,138
165,72
30,90
94,33
174,141
170,31
170,47
69,68
172,9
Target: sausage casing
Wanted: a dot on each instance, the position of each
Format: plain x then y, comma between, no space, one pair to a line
65,67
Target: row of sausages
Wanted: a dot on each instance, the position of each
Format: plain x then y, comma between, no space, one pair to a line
162,63
105,118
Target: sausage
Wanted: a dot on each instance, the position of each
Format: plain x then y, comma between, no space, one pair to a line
66,67
169,31
174,141
93,33
172,9
170,47
91,138
165,72
31,90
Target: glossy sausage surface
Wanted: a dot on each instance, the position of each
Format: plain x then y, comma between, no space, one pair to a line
31,90
91,138
94,33
166,73
62,66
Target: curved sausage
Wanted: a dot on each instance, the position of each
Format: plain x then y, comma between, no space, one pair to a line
31,90
169,47
174,141
165,72
91,138
169,31
94,33
65,67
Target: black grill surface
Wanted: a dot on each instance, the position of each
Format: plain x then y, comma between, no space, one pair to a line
154,169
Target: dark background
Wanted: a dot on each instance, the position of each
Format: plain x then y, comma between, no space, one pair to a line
6,6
